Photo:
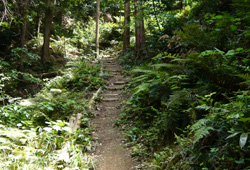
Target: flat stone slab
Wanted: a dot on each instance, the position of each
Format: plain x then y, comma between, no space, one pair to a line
111,64
114,71
119,82
110,108
110,95
109,61
117,87
120,78
110,99
112,67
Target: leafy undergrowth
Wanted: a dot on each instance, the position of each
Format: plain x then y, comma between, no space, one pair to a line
34,133
190,112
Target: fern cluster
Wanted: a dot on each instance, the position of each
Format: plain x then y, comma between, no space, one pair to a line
191,101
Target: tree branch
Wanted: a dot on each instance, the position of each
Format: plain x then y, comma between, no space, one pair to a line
6,11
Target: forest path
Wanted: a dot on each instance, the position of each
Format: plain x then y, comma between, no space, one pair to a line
110,154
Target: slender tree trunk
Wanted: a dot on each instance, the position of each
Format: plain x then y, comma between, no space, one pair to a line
139,29
39,26
48,27
24,6
97,27
181,4
126,33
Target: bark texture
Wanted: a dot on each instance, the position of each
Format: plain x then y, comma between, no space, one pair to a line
126,34
48,27
24,6
97,27
139,30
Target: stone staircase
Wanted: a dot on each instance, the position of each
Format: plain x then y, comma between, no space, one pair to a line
110,153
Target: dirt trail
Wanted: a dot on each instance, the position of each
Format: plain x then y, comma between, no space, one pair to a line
110,153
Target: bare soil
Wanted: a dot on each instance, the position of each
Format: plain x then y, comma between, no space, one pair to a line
110,153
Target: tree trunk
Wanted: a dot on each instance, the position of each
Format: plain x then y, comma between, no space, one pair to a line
24,6
47,31
139,29
126,33
181,4
97,27
39,26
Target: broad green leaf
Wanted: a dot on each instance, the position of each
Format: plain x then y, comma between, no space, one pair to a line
232,135
241,161
56,127
233,27
47,129
243,139
245,119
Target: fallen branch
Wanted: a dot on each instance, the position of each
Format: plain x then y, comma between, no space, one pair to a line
48,75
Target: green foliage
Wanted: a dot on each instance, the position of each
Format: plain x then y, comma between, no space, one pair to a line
172,101
171,24
49,147
195,37
86,77
14,114
202,7
23,54
34,132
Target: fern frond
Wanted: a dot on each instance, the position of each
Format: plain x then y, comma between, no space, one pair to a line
202,132
138,70
203,107
142,87
199,124
201,129
181,60
244,76
174,99
164,65
140,78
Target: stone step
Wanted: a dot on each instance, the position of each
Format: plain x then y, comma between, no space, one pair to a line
110,108
119,83
115,67
114,63
115,73
110,99
109,58
110,95
120,78
109,61
117,87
